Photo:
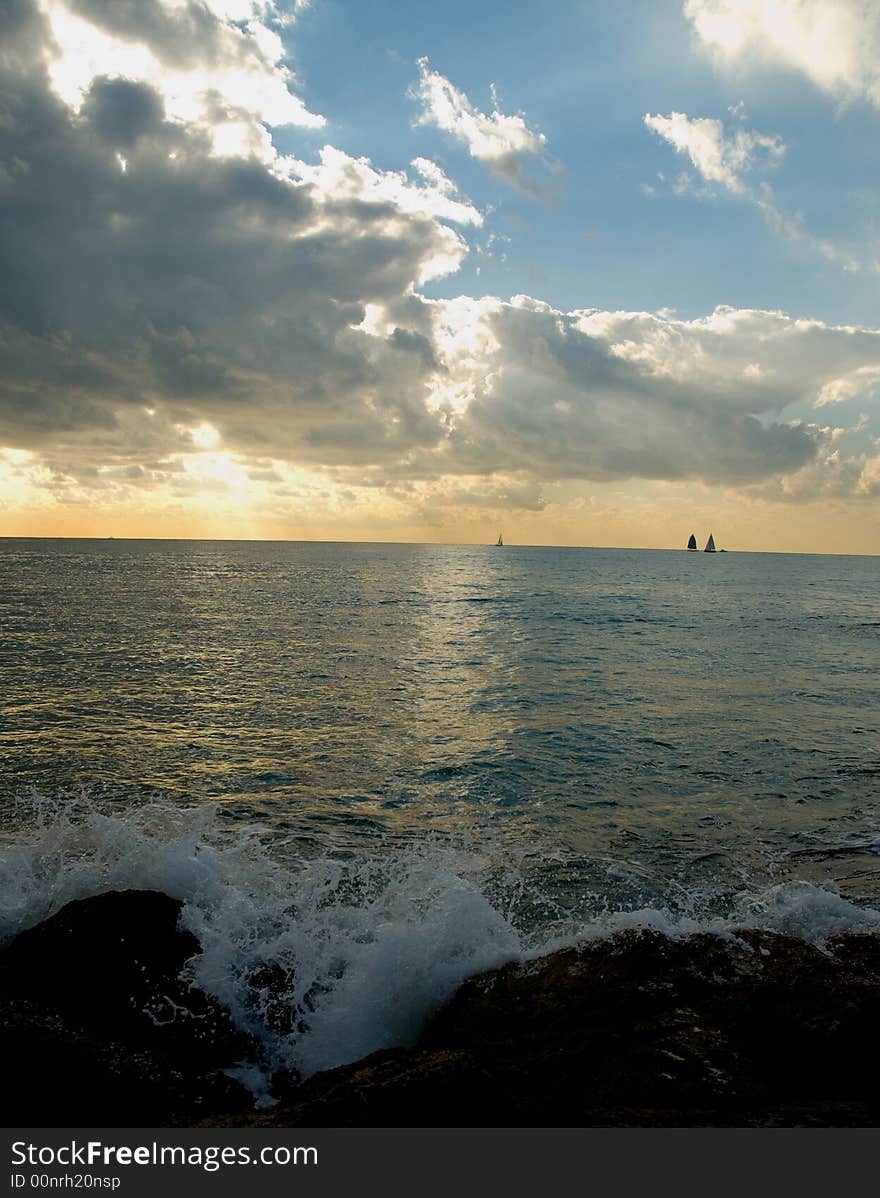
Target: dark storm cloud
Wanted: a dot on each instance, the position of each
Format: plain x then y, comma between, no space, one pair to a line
122,112
148,285
136,268
415,343
186,36
562,403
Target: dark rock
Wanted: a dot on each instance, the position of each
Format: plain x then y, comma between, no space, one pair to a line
397,1087
702,1027
99,1028
710,1030
100,1025
113,963
58,1073
638,1030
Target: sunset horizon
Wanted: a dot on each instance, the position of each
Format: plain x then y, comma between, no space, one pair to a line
488,542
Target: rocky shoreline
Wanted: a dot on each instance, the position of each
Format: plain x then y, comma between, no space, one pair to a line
98,1029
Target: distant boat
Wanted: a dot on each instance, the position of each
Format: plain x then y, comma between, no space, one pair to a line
710,545
692,542
500,541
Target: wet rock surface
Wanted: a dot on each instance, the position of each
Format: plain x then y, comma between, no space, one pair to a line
637,1030
97,1026
757,1029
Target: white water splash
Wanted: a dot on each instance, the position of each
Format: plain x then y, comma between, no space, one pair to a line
362,949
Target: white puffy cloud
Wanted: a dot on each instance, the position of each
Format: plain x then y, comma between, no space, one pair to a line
832,476
188,289
217,65
602,395
505,143
725,158
835,43
339,175
718,156
196,324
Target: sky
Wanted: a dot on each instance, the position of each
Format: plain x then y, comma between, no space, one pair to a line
578,272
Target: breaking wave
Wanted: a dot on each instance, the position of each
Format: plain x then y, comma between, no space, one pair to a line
363,947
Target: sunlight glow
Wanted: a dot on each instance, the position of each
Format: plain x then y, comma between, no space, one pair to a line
216,468
259,87
204,436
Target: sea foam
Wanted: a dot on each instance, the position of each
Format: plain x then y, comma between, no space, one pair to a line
362,948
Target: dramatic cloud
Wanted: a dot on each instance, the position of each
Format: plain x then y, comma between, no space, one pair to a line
184,318
215,66
505,143
148,284
599,395
835,43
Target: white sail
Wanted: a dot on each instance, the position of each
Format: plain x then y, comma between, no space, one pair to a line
710,545
500,540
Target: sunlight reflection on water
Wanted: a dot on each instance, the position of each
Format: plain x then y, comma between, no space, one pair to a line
661,714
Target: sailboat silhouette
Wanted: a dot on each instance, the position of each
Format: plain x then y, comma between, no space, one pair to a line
692,542
710,545
500,540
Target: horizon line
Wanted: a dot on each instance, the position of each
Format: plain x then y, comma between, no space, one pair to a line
446,544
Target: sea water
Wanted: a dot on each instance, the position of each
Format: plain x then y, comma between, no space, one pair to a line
387,767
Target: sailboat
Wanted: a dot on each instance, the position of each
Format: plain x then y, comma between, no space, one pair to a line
710,545
500,541
692,542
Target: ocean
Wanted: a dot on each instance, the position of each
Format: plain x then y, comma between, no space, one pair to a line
390,766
